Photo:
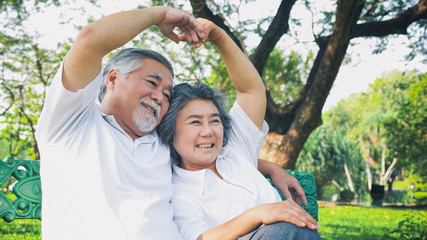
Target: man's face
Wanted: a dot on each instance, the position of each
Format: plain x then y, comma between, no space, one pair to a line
142,99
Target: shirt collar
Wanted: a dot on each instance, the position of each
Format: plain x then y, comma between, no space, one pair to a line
148,138
195,181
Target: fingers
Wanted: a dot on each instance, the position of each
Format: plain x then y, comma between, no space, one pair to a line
297,192
286,193
285,211
172,36
193,31
301,195
299,216
190,27
191,36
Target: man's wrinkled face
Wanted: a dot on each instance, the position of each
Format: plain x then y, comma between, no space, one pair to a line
142,98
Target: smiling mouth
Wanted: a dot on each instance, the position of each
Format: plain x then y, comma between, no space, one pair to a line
205,145
149,108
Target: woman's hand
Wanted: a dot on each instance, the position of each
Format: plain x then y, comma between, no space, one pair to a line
285,211
211,30
193,31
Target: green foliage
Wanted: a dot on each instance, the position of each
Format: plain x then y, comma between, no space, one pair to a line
283,75
346,196
325,153
397,197
419,192
406,128
391,115
381,10
414,226
27,71
420,197
18,8
328,192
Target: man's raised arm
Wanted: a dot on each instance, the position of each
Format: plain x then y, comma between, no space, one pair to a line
83,62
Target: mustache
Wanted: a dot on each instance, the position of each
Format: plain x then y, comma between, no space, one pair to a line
152,106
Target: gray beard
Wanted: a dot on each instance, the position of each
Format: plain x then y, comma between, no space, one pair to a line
144,121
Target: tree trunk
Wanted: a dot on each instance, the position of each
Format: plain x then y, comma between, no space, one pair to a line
383,162
328,61
349,181
337,185
368,169
387,174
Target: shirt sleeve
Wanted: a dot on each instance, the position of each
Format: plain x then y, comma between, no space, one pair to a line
65,110
188,216
245,135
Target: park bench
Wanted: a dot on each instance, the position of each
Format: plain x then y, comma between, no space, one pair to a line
27,190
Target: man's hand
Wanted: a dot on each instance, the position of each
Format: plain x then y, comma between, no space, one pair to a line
176,18
284,181
290,187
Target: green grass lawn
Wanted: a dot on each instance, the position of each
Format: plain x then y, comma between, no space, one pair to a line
338,222
355,222
20,230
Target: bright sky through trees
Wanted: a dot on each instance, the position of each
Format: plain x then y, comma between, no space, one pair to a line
353,77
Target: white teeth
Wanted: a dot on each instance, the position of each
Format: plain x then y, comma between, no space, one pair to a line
205,145
148,107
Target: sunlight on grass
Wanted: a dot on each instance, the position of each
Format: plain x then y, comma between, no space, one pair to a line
338,222
355,222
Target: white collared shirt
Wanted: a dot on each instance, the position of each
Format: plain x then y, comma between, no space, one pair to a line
203,201
97,182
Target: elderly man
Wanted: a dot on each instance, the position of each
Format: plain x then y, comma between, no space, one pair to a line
104,173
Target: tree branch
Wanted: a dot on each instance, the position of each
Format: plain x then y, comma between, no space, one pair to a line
328,61
12,97
275,31
200,9
398,25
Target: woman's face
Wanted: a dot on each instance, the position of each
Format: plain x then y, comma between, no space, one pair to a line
198,135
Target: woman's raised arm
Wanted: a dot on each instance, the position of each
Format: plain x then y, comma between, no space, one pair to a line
249,86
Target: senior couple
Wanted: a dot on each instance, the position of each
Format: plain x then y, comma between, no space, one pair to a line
107,172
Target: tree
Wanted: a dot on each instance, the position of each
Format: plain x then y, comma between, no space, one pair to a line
388,120
334,159
406,131
25,73
294,120
351,19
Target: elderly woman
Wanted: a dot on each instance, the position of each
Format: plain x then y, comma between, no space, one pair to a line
219,193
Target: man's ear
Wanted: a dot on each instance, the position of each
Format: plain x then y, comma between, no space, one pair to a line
112,76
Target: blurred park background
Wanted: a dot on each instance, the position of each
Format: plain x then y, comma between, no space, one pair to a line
346,86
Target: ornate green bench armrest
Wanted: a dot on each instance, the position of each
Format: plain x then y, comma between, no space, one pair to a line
27,189
306,180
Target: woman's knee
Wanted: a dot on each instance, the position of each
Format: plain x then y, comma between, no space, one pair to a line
285,230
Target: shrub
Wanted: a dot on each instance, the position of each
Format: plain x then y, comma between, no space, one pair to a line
413,227
346,196
396,196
